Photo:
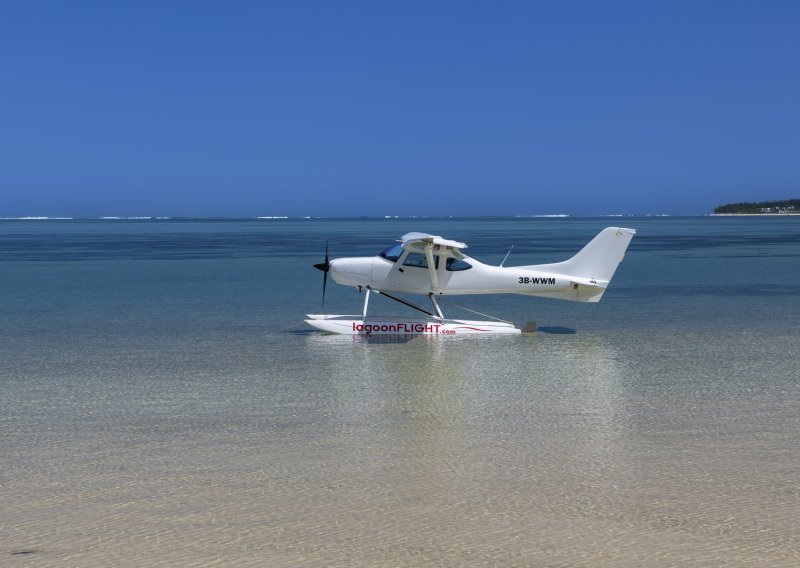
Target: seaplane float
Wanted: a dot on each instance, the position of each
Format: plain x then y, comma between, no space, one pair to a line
432,266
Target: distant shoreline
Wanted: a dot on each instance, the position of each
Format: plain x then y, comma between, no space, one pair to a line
781,207
755,214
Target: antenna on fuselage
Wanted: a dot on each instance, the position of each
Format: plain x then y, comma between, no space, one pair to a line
508,253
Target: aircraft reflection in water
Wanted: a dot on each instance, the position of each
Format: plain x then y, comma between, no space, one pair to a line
432,266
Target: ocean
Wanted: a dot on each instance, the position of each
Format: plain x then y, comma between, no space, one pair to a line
164,405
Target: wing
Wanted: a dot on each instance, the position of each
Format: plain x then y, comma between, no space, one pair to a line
424,241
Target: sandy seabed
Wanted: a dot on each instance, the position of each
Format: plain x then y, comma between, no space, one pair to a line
319,451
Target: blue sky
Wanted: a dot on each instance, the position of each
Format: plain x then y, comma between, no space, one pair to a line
396,108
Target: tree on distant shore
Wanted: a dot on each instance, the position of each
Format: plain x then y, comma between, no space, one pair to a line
785,206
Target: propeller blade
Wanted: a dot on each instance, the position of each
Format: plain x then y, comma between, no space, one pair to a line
324,267
324,286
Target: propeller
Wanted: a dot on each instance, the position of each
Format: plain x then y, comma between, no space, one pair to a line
324,267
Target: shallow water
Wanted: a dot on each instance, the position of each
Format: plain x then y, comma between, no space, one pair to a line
152,416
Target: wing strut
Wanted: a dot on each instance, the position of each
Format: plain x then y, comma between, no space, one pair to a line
432,269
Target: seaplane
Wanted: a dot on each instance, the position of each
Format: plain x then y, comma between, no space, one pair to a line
432,266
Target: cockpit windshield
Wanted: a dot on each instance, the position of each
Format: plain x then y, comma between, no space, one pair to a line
393,252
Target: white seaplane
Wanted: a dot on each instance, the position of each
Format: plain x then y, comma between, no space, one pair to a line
432,266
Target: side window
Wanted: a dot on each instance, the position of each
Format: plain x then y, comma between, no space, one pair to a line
419,260
456,264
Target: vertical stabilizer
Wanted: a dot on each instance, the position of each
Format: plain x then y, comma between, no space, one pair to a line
598,260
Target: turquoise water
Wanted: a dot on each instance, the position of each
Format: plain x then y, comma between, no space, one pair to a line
150,276
161,406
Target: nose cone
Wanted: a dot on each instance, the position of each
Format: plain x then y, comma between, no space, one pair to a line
351,271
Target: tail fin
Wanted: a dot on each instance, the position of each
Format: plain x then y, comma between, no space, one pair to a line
599,259
595,264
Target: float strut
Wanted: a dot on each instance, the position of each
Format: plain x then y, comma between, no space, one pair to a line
366,303
436,307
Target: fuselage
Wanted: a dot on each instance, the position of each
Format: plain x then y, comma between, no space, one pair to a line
409,273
